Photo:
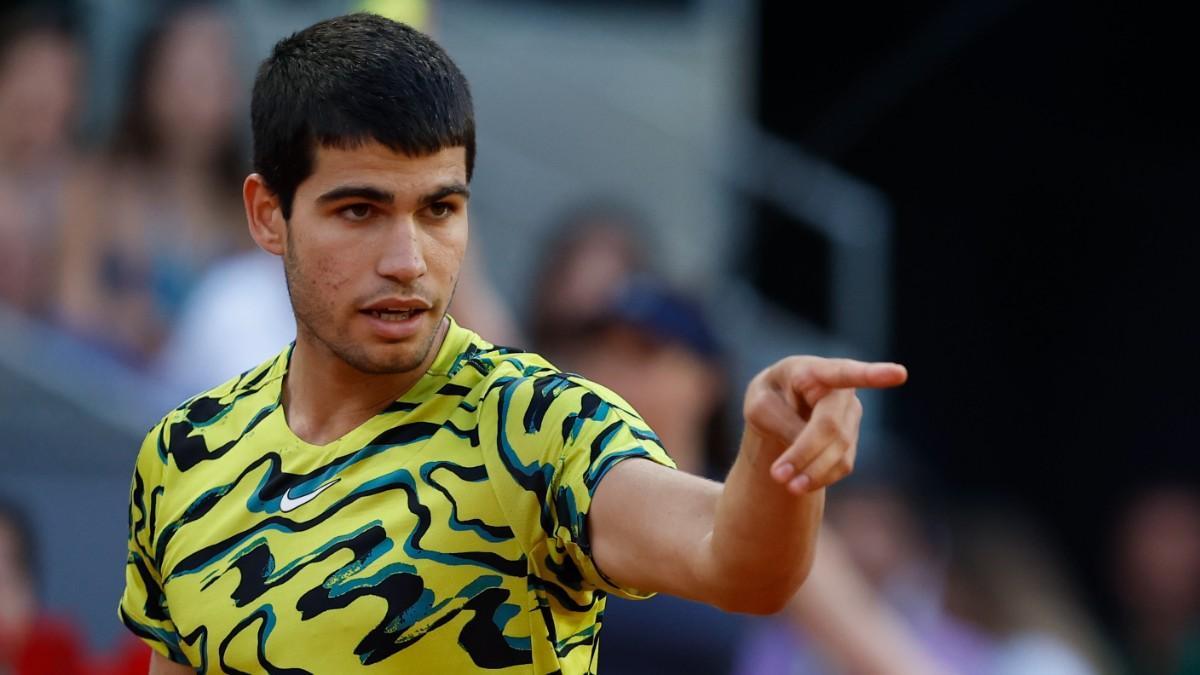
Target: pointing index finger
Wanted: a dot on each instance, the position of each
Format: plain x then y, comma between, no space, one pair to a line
845,373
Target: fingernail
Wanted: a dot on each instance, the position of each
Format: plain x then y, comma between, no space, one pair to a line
782,472
799,484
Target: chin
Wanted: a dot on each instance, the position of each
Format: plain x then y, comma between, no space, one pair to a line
385,359
390,358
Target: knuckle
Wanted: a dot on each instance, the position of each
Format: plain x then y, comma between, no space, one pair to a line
801,455
790,365
754,417
756,404
774,370
843,435
844,466
794,360
848,437
830,427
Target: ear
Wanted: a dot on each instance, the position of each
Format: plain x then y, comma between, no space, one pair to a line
264,215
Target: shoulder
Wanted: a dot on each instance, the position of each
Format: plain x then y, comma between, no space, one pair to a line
514,369
207,420
203,406
538,408
514,373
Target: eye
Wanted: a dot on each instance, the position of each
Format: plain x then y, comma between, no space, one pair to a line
357,212
441,210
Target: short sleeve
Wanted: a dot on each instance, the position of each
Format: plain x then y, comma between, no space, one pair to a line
558,435
143,607
605,432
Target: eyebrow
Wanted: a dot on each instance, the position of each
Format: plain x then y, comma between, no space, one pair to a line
380,196
372,194
446,191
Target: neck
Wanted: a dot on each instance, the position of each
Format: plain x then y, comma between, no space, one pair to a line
324,397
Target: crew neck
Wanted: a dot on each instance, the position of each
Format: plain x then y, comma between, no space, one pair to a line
454,343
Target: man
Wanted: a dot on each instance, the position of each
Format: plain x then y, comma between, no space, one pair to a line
393,493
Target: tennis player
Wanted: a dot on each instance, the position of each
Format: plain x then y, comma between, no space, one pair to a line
392,493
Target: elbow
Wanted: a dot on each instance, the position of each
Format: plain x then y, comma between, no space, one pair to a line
763,605
762,599
766,596
760,602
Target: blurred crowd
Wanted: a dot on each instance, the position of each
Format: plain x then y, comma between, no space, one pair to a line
135,245
108,240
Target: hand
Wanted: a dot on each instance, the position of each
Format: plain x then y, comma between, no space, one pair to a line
805,410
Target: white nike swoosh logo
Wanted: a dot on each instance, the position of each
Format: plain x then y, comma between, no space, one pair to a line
290,503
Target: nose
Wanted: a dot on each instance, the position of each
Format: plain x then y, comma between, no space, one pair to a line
403,252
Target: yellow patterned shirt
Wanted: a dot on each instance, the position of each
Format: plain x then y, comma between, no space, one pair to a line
447,534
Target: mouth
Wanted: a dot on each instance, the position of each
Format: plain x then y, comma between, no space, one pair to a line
397,318
393,314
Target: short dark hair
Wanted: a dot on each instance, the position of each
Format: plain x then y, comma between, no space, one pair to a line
349,80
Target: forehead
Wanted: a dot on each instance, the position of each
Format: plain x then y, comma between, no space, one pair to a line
379,166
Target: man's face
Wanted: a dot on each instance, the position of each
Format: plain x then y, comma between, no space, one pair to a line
373,251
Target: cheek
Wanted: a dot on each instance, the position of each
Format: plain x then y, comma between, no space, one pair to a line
328,272
445,252
321,272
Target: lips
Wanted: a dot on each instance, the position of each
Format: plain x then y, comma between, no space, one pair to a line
393,315
395,318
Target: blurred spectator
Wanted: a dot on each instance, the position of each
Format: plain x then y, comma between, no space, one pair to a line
594,249
852,627
1005,579
1157,574
653,346
31,641
478,306
39,85
898,554
163,203
243,296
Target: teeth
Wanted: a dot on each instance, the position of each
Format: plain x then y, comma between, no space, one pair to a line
392,315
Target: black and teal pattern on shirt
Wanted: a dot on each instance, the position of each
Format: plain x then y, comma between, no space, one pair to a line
446,534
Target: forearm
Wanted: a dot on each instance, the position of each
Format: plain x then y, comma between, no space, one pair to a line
747,545
763,537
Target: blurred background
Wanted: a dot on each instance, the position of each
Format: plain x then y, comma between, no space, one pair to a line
669,196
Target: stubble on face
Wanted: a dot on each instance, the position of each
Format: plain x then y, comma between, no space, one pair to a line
317,320
370,225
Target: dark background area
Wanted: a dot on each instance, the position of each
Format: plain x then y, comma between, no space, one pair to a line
1042,161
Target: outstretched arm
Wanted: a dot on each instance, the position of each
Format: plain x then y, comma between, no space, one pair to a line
748,544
